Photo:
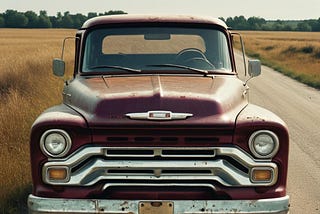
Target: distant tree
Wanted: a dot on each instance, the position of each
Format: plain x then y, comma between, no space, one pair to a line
277,26
114,12
56,20
15,19
78,20
241,22
255,23
238,23
92,15
221,18
67,21
230,22
287,27
44,20
33,19
2,22
266,27
315,25
304,26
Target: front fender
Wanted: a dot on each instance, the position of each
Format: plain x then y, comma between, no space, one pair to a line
254,118
57,117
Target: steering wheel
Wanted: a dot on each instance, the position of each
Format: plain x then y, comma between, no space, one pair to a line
189,53
193,57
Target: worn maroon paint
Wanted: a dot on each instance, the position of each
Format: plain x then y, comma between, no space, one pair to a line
96,110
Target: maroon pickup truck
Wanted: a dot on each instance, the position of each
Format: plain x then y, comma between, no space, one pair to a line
157,120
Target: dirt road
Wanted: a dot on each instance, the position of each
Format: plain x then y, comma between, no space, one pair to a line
299,106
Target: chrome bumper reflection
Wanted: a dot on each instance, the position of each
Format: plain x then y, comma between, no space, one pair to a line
51,205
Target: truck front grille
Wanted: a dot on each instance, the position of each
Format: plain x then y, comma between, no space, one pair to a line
229,166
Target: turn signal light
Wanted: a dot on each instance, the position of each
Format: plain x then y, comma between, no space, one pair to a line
57,174
261,175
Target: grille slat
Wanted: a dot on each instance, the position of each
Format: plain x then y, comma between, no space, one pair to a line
161,152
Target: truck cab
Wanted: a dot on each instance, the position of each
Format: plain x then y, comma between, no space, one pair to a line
156,120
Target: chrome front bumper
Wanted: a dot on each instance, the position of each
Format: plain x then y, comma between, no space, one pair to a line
39,205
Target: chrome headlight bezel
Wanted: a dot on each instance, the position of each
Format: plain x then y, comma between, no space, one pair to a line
253,142
65,140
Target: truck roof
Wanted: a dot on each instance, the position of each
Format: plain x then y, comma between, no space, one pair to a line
123,19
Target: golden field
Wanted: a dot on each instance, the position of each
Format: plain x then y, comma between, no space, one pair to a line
296,54
27,87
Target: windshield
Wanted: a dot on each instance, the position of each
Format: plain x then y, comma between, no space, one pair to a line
136,49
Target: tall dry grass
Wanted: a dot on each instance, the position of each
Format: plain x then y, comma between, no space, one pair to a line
27,87
296,54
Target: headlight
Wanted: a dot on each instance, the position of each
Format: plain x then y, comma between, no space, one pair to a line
264,144
55,143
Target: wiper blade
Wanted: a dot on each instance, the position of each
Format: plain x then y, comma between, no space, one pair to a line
117,67
205,72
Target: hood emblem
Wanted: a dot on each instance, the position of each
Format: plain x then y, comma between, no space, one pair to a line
158,115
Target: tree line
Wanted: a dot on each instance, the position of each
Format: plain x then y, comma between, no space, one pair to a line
30,19
257,23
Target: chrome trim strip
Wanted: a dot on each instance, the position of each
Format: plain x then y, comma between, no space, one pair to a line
132,168
219,170
106,186
38,205
158,115
86,152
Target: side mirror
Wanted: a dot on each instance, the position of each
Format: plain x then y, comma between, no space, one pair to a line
58,66
254,67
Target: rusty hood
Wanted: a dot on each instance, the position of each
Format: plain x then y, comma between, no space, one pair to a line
107,101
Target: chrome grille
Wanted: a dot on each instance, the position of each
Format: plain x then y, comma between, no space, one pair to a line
90,165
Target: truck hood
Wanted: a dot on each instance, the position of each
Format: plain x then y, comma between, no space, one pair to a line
105,101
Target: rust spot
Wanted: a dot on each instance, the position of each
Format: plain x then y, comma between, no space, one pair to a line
125,203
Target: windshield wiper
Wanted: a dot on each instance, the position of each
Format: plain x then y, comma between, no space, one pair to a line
205,72
117,67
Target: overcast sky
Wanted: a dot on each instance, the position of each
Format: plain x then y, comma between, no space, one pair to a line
268,9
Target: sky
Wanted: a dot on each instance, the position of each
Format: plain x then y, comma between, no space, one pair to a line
267,9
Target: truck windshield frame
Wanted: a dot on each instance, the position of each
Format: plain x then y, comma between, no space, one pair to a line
136,48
